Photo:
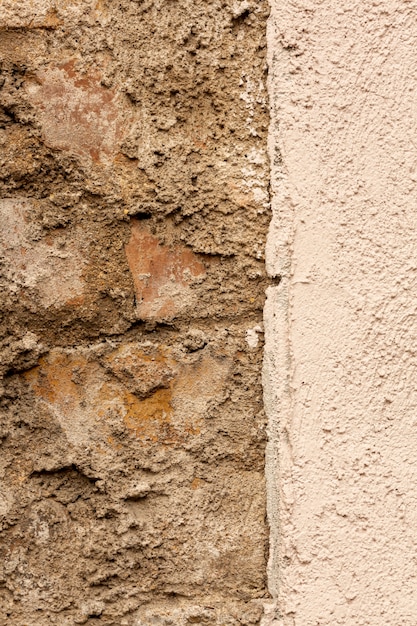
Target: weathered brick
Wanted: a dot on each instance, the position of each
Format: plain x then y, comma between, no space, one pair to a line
89,397
162,275
38,267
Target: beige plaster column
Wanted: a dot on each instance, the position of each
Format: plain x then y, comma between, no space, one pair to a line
341,323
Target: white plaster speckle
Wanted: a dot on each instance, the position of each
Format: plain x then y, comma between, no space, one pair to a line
239,8
252,338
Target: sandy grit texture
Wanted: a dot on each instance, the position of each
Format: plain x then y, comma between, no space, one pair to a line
340,369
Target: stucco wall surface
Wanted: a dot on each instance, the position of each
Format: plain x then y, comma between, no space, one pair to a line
340,367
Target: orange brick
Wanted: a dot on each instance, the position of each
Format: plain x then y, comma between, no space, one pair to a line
88,398
162,275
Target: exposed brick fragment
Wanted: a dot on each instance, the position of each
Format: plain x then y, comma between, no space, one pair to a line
162,275
77,113
90,400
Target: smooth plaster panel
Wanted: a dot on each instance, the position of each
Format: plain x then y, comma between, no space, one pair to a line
341,325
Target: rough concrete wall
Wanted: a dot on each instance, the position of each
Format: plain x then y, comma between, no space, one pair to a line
133,214
341,326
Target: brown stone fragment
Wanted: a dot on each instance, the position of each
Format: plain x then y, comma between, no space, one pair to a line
36,267
142,371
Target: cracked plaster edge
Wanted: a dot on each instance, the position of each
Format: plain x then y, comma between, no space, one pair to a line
277,361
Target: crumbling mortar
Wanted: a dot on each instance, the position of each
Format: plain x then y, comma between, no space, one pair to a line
193,546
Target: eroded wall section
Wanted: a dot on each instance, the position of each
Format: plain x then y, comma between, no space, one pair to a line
133,211
341,326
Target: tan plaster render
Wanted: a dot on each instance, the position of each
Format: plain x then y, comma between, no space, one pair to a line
341,326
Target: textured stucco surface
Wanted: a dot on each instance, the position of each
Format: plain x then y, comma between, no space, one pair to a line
134,212
340,366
